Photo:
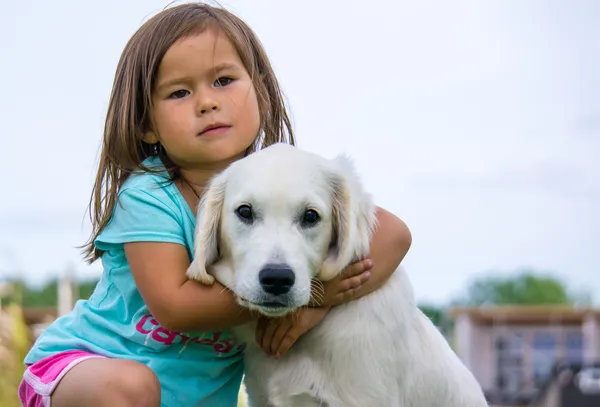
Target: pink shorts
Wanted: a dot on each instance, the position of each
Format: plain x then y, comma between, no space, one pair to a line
41,378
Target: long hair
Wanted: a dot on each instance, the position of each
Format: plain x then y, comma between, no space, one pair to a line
129,110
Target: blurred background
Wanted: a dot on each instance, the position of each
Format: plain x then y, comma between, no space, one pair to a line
476,122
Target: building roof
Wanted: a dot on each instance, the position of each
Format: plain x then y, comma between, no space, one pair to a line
528,314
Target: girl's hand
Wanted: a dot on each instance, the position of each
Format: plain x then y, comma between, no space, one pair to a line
276,335
343,288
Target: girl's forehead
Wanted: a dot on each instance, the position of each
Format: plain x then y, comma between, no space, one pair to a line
200,52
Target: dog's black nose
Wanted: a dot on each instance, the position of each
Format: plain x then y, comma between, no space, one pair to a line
276,279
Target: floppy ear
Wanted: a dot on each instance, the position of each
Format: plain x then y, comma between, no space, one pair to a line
206,237
353,219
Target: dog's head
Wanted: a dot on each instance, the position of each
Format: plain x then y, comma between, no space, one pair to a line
278,219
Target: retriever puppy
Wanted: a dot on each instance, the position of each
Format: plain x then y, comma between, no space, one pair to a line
269,224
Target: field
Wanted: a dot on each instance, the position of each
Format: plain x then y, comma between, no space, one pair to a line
13,347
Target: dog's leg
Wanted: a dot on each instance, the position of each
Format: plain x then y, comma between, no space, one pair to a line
255,392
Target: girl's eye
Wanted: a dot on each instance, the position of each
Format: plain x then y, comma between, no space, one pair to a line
178,94
224,81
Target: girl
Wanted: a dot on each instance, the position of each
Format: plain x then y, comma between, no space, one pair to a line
193,92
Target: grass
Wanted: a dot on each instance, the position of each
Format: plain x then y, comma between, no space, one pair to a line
14,343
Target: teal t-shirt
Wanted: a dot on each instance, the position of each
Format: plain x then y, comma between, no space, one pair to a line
194,368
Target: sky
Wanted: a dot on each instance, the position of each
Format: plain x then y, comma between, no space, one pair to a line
477,123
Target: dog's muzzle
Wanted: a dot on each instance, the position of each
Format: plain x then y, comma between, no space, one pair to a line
276,279
275,297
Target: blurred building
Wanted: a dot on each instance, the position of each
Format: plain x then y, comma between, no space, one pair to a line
514,351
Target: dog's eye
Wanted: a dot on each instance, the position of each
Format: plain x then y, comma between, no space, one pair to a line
310,218
245,213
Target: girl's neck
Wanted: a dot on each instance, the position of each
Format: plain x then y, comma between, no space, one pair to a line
197,179
192,184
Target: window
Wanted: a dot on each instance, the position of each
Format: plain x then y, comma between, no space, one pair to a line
510,377
545,346
574,347
524,361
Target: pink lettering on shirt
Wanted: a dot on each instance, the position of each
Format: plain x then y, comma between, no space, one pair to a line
147,325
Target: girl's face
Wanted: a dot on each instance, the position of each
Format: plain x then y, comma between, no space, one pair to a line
205,109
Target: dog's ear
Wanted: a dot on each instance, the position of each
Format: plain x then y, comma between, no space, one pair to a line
353,219
206,236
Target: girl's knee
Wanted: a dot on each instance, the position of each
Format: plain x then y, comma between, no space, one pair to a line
137,385
108,382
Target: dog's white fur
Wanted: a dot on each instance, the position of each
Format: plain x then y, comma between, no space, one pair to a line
377,351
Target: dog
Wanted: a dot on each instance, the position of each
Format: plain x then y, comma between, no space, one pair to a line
269,224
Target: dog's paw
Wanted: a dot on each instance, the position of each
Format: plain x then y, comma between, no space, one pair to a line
207,279
198,273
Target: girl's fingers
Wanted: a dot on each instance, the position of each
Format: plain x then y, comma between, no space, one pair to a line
357,268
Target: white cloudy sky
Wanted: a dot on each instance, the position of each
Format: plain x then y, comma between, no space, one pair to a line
477,122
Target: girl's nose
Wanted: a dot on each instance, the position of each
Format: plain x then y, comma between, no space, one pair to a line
207,104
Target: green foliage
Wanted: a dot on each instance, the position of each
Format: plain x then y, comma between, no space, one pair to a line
435,314
525,288
47,295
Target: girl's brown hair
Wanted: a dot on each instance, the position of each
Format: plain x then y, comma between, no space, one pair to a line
128,116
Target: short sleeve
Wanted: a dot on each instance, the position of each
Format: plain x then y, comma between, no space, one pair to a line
140,216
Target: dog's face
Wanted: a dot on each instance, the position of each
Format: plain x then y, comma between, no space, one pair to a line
280,218
276,227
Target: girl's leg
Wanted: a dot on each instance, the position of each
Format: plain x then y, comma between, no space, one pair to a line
107,382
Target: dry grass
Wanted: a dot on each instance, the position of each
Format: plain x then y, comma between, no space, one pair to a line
14,344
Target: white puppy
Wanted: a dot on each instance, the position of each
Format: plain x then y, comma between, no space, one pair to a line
273,221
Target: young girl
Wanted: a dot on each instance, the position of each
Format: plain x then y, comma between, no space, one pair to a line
193,92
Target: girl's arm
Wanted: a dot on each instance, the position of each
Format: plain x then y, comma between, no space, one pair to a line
183,305
389,245
177,303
